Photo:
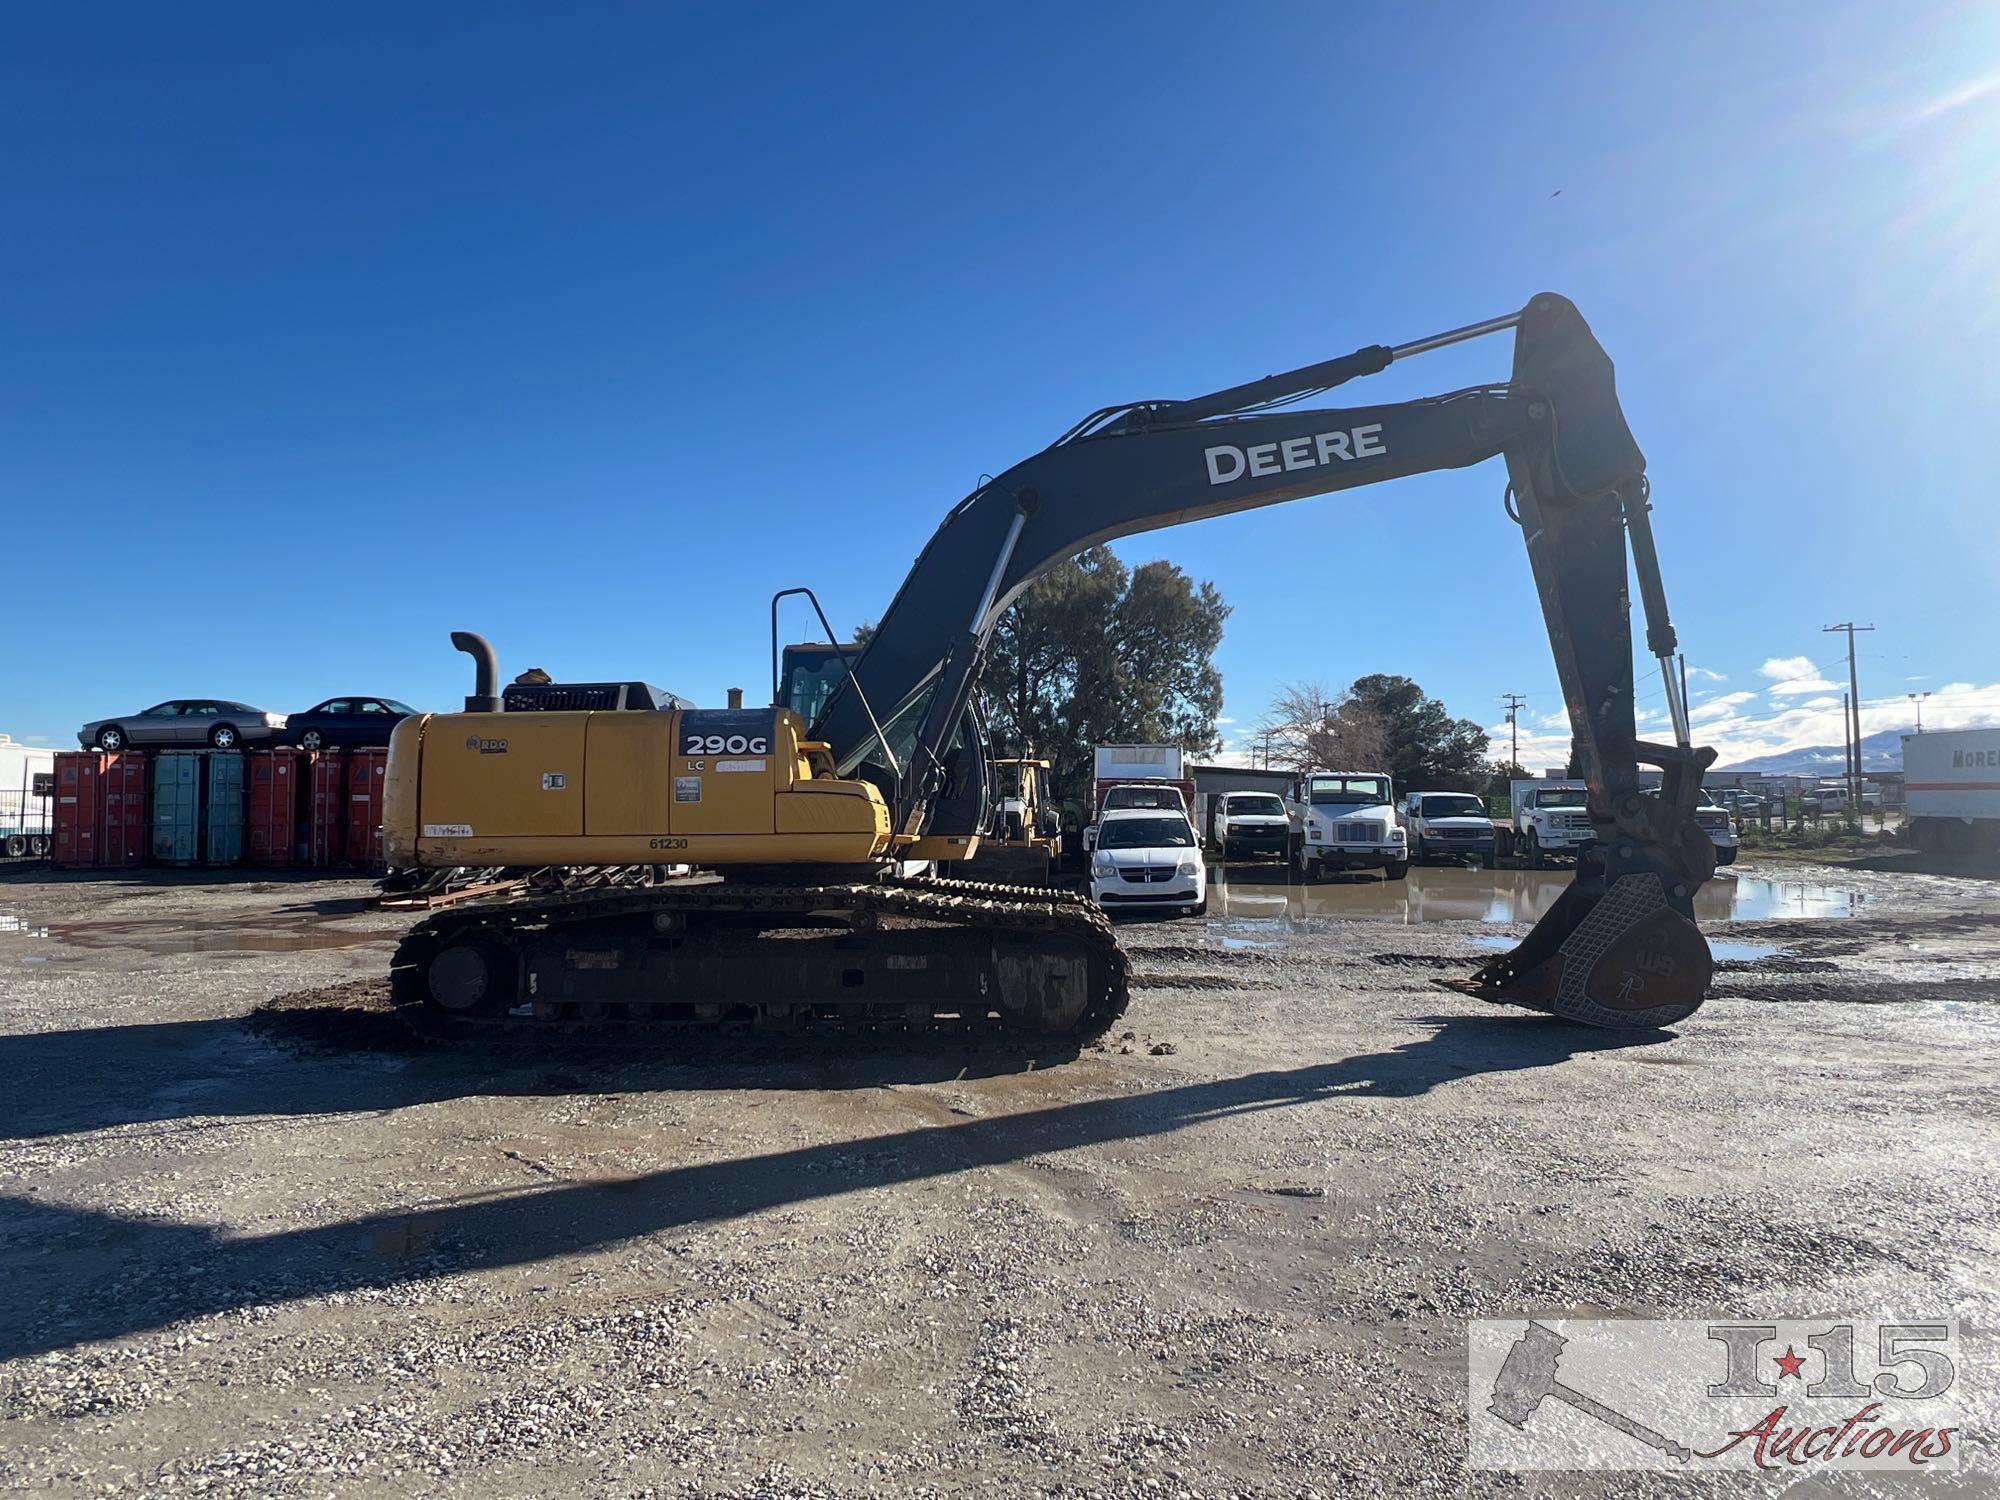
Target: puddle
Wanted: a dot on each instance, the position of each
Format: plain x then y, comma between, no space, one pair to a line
281,934
1733,952
1745,952
1255,902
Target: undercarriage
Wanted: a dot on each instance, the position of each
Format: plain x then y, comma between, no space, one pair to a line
924,954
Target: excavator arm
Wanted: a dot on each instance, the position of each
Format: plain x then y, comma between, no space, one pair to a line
1620,947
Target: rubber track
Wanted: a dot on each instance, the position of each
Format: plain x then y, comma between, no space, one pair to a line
961,903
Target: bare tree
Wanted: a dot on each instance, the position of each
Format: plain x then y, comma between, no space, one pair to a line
1308,728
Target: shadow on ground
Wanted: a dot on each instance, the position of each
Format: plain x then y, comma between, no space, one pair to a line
111,1275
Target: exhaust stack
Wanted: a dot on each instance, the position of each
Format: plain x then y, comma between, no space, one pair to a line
485,696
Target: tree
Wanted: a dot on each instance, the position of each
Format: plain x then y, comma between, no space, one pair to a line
1095,653
1379,723
1503,774
1308,727
1428,748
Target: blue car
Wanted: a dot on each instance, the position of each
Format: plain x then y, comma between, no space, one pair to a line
346,723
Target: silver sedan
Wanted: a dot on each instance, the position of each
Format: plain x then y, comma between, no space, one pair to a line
216,722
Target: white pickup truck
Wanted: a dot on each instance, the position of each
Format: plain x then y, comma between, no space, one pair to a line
1345,820
1716,821
1247,823
1550,818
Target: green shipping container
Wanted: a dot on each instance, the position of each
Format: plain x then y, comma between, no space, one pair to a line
177,806
224,809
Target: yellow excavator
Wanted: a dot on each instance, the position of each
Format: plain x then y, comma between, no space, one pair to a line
819,817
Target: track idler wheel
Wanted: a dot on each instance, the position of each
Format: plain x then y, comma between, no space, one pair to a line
1622,958
469,975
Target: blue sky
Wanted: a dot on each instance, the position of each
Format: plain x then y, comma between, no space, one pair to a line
589,327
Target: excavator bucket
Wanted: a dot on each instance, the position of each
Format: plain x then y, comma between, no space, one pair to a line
1620,956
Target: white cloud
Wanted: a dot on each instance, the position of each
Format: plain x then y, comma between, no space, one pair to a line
1703,674
1557,720
1792,675
1820,721
1741,727
1717,708
1225,720
1784,668
1538,751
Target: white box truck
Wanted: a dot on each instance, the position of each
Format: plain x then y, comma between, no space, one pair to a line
1150,768
1345,820
1951,787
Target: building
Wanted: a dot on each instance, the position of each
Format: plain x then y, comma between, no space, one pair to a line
1209,780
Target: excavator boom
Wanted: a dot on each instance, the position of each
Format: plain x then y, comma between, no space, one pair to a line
1577,485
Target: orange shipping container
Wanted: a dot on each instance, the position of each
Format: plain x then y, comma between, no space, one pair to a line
367,777
271,806
327,815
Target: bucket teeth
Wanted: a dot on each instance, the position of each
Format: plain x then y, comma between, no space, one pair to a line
1626,960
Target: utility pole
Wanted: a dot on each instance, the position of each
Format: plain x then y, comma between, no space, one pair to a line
1853,712
1514,702
1918,699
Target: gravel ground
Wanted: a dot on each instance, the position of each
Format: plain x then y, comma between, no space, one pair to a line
285,1251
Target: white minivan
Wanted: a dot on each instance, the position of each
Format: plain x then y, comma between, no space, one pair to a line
1148,857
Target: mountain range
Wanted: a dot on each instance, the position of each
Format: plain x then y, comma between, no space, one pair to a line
1882,751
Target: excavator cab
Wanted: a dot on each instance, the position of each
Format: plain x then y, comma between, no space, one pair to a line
808,674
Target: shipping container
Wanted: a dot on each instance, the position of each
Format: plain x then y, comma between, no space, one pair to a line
177,807
124,829
367,777
222,808
327,813
78,783
100,808
271,806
